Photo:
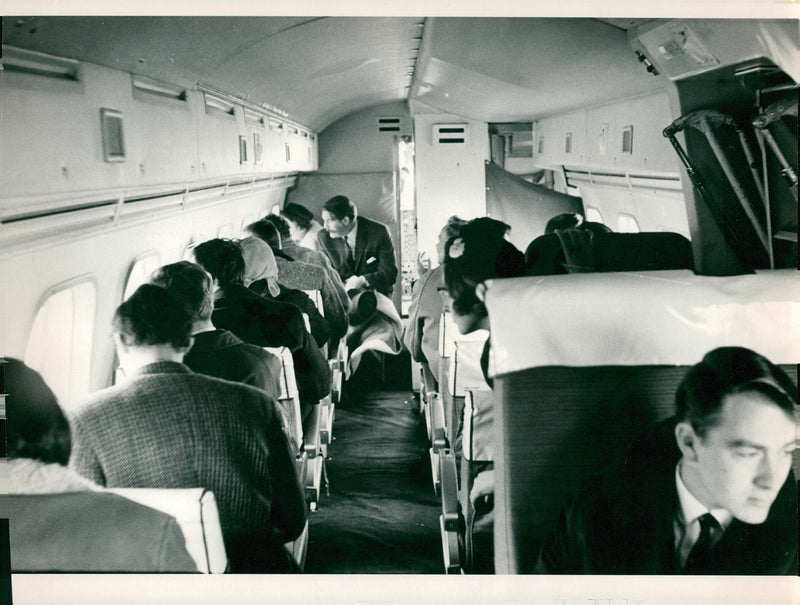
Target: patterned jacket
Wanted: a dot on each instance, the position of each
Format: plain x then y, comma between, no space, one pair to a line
168,427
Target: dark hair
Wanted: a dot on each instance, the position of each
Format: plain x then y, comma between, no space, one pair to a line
280,224
298,214
36,427
453,226
223,259
265,231
152,316
725,371
481,253
573,220
560,222
190,285
340,207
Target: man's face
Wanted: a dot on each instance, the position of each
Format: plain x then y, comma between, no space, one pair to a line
743,461
334,226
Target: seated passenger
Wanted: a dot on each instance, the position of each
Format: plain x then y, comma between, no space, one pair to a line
421,335
167,427
261,276
306,255
709,491
480,252
300,275
214,352
262,322
71,525
548,253
573,220
303,225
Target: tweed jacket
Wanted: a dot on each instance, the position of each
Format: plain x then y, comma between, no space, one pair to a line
373,255
300,275
169,427
421,334
621,522
222,354
314,257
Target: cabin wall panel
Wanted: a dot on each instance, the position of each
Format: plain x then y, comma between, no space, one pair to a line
450,179
50,131
648,115
107,254
52,140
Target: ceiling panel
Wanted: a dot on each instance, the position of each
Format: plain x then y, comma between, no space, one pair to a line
319,69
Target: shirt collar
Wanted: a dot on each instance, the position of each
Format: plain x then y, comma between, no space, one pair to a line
691,508
351,237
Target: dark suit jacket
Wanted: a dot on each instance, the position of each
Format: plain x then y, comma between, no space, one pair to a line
92,532
269,323
373,256
169,427
222,354
621,522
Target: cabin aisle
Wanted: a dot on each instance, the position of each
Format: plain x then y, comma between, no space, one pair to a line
382,515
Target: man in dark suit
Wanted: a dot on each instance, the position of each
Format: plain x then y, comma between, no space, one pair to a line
166,427
708,492
262,322
360,249
216,352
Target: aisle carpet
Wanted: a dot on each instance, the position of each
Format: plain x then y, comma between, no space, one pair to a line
382,515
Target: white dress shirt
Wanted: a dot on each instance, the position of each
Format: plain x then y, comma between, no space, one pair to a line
687,525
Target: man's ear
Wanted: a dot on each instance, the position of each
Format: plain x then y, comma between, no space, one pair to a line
480,292
119,342
687,440
185,350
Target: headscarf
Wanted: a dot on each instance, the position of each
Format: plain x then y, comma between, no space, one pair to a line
259,263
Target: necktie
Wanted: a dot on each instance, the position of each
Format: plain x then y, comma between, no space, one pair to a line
697,557
348,251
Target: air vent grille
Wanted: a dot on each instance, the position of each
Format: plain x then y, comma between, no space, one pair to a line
149,86
390,124
218,105
450,134
28,61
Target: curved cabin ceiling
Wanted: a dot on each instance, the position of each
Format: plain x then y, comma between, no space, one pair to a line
318,69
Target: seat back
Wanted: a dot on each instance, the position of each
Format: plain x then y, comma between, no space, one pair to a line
600,363
196,511
647,251
289,400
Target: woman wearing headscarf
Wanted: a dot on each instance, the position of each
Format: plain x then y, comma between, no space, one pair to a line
261,276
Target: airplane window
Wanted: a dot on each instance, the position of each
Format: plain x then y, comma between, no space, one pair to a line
248,218
187,252
143,265
60,342
626,223
593,214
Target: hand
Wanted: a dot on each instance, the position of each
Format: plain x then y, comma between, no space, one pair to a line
423,263
482,486
355,282
579,250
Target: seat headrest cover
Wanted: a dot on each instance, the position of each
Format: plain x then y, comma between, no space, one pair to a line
649,318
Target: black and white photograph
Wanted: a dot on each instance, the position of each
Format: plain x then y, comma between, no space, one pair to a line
399,302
